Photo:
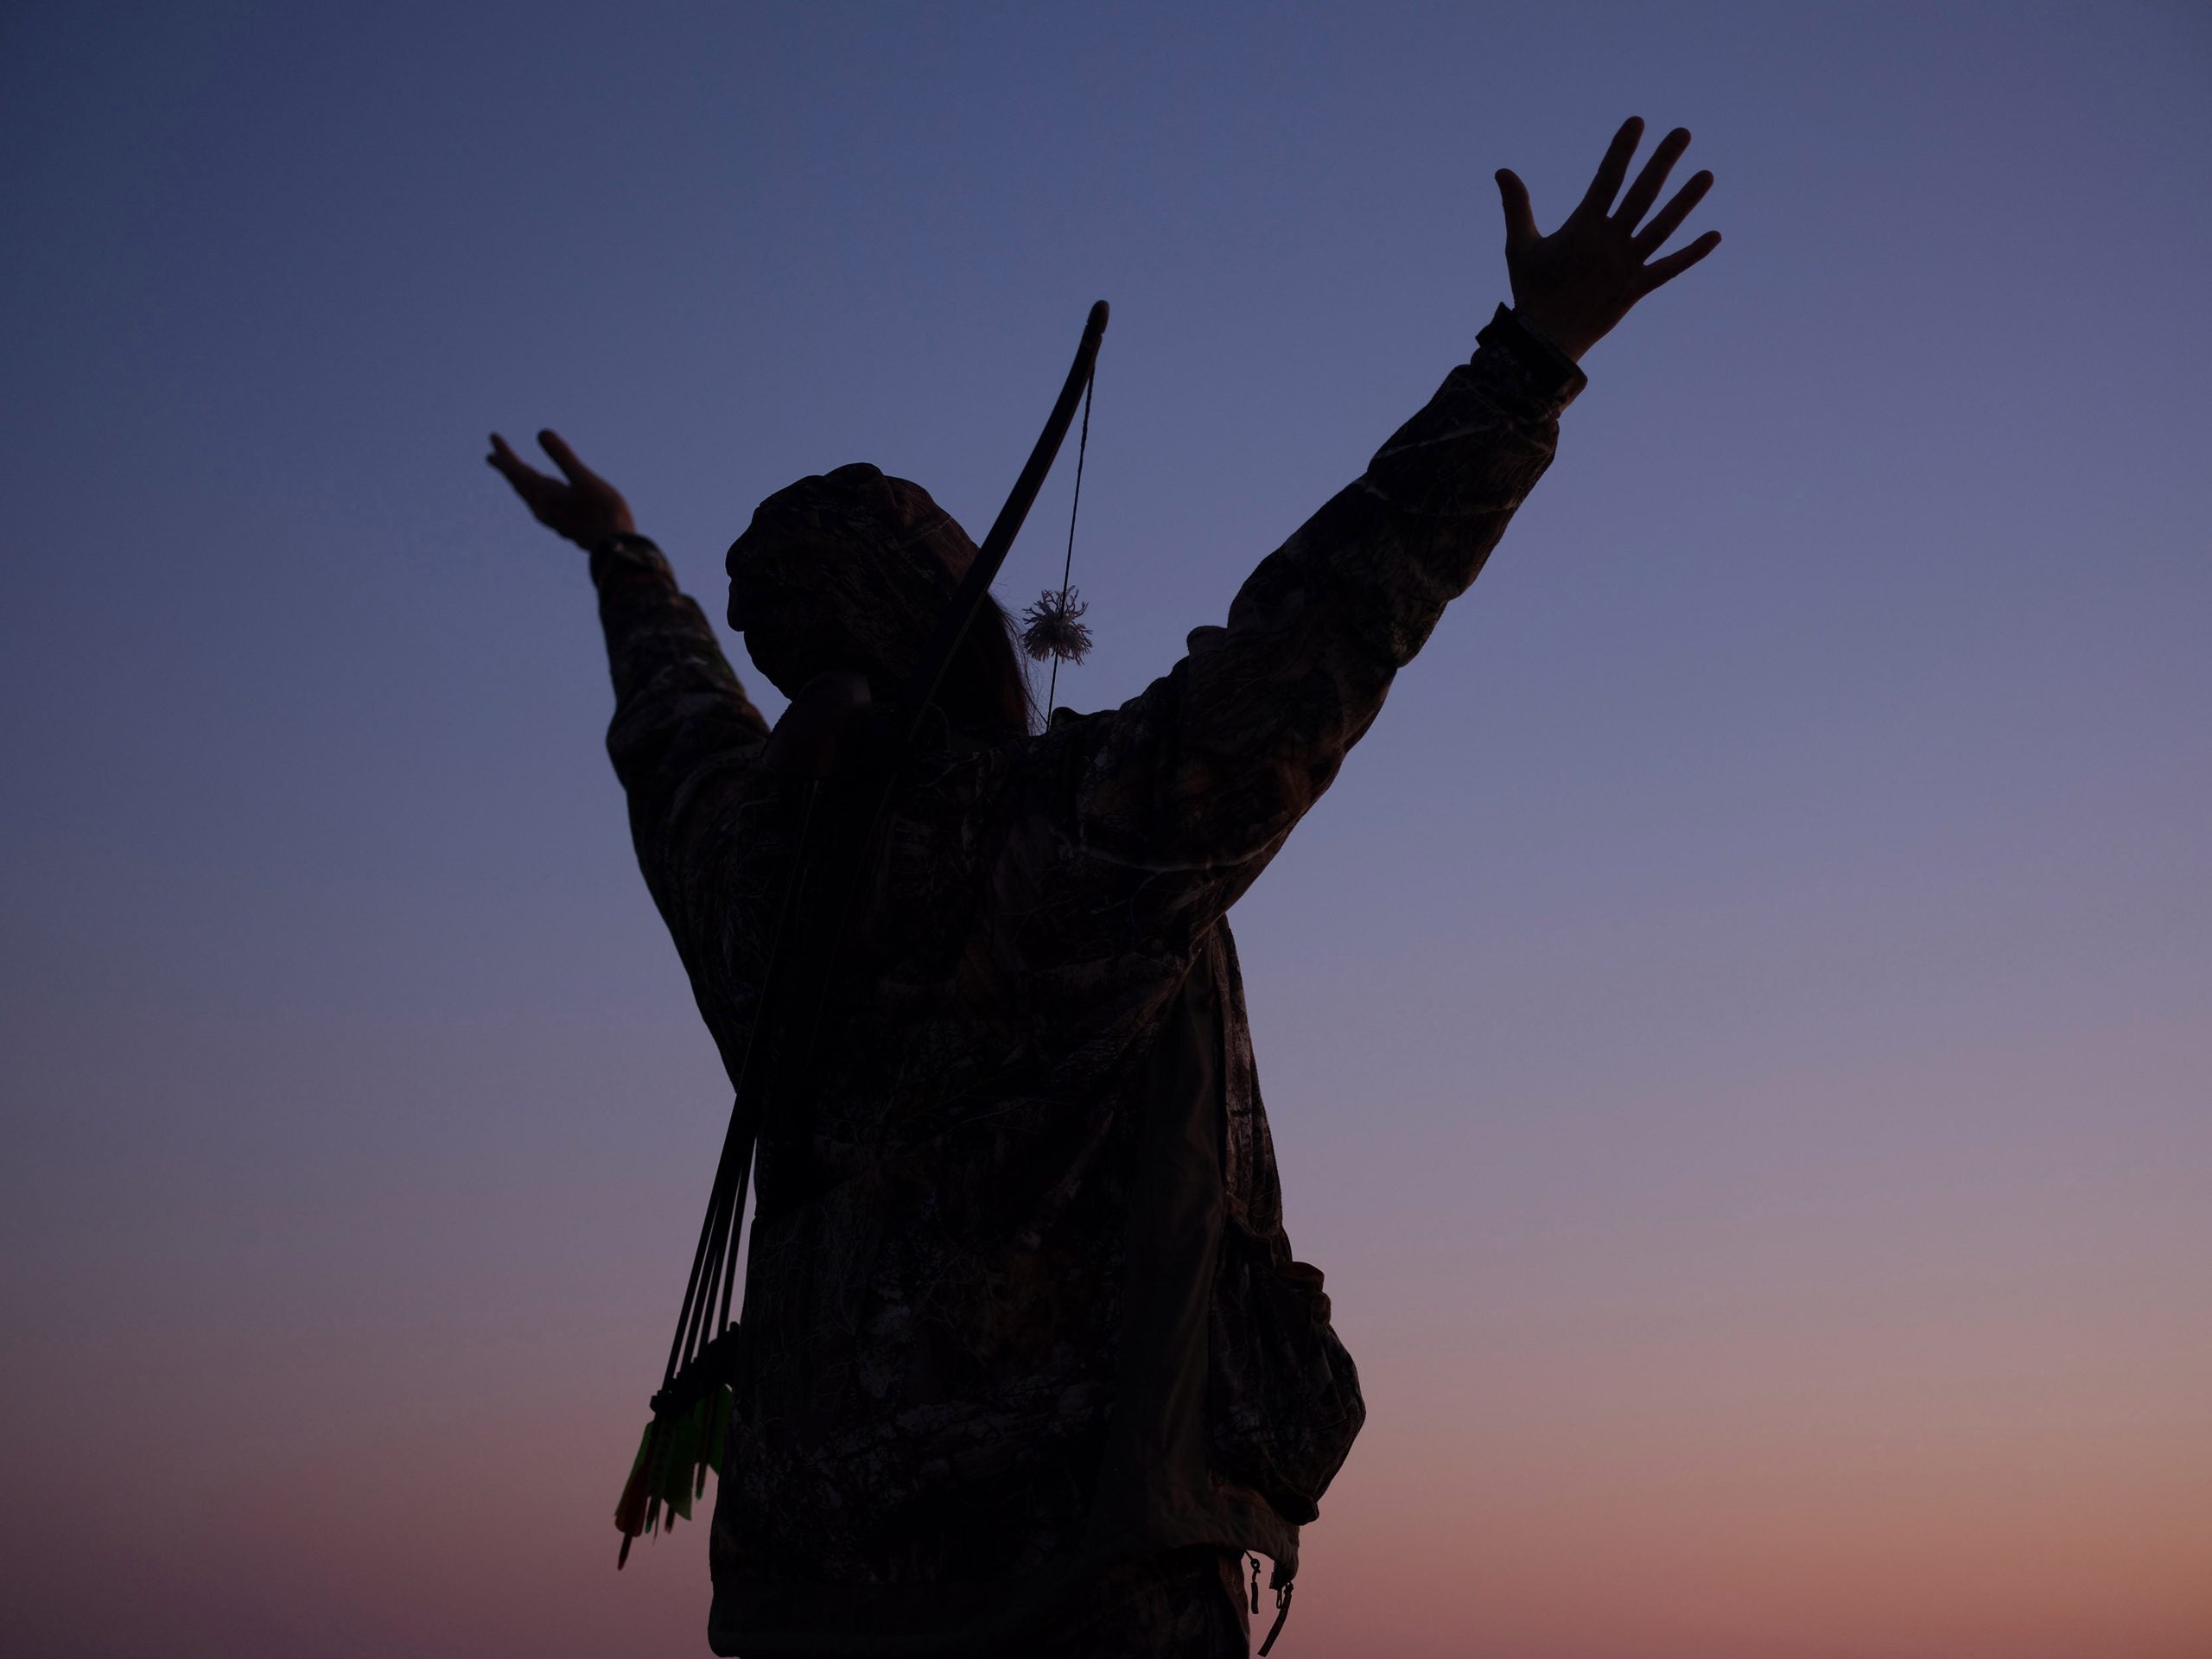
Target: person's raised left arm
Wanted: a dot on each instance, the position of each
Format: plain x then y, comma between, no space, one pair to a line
1177,800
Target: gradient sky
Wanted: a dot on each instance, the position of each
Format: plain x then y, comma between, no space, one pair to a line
1738,1034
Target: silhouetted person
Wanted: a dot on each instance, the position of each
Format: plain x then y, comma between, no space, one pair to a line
1029,1364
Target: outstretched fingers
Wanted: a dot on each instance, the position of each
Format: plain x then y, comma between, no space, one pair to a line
517,471
1653,237
565,458
1653,179
1665,270
1607,182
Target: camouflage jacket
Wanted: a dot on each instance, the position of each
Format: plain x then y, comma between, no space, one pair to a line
1018,1301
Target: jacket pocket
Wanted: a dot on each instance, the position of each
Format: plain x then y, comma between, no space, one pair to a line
1282,1395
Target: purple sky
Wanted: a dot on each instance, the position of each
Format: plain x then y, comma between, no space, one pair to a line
1737,1034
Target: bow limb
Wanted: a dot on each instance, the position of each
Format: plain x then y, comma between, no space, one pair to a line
967,598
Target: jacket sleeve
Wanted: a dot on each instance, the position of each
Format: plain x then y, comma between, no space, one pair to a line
683,731
1173,804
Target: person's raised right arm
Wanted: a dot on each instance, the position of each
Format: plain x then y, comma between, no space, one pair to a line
681,719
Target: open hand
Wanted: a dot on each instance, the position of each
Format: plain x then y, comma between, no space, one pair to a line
587,509
1573,285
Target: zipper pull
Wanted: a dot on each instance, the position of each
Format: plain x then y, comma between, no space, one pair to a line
1255,1583
1282,1611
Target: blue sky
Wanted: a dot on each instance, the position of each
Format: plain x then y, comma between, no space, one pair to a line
1779,886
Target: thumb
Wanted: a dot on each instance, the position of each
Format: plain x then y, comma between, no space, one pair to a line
1520,221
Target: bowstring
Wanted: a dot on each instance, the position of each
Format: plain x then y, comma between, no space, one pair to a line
1067,565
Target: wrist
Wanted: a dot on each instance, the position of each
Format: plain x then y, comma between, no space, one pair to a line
1554,331
588,537
1523,364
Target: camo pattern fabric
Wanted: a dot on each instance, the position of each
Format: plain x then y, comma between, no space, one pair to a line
1019,1306
1188,1604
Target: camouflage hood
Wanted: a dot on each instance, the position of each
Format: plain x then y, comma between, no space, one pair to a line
851,566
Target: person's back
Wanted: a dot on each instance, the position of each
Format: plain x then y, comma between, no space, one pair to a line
1023,1340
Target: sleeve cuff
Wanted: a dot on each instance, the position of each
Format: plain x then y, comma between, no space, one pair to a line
628,554
1527,368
